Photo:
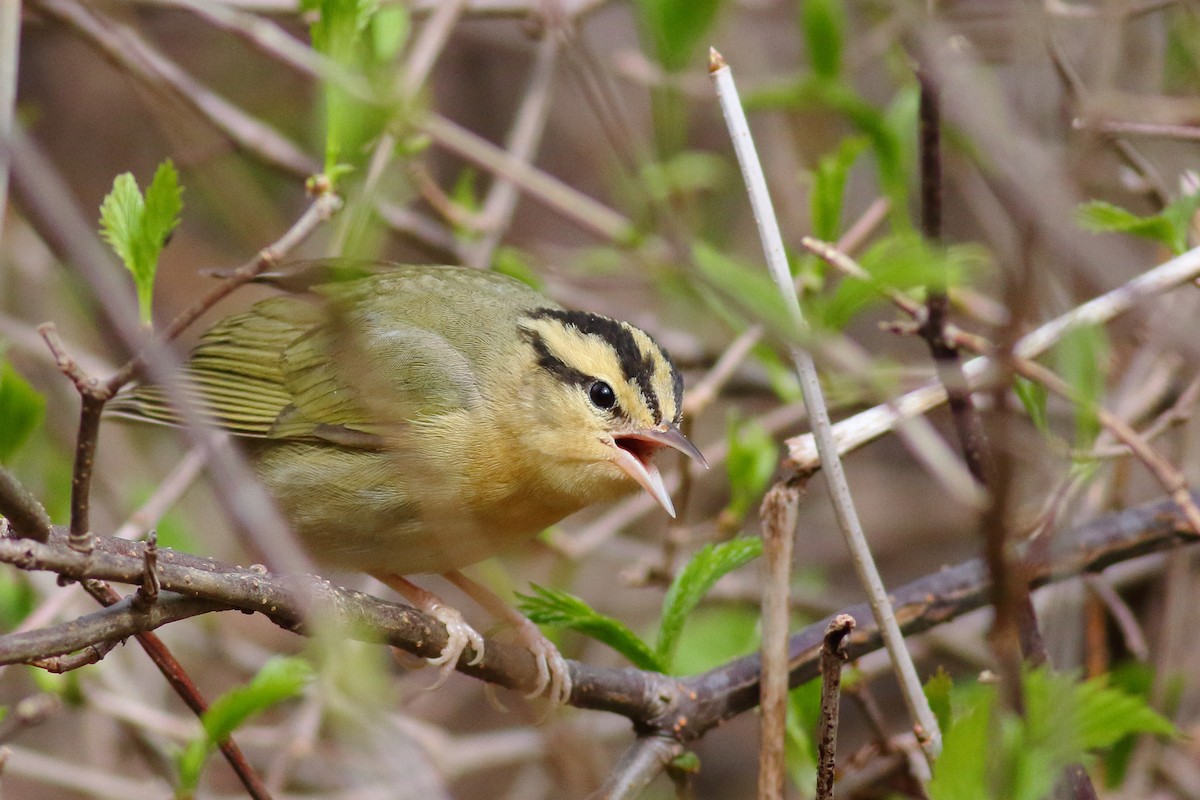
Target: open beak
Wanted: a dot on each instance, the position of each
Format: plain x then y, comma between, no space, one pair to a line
635,454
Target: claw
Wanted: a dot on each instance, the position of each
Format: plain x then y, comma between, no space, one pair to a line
553,670
460,636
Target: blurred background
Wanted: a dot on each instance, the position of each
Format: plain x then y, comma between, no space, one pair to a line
578,145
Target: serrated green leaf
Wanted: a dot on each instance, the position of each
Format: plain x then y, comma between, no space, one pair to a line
121,219
705,568
829,185
753,456
824,23
901,261
675,28
554,607
163,205
1136,680
279,679
21,411
137,227
1107,714
990,752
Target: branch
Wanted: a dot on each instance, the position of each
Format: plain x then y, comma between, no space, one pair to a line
24,513
683,708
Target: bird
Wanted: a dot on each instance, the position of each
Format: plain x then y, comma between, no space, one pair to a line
413,419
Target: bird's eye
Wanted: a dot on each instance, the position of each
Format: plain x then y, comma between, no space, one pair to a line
602,395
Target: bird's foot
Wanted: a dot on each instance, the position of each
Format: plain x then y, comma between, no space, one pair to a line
459,634
554,674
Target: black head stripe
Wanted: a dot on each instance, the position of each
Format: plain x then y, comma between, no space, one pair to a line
552,363
637,366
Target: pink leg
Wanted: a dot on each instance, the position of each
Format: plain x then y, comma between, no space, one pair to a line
461,634
553,671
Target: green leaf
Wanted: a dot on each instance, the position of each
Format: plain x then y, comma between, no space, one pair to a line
990,752
1081,358
1179,215
753,456
901,261
121,220
1098,216
883,130
780,374
552,607
1033,396
749,287
1106,715
675,28
1135,679
21,411
345,31
692,582
279,679
514,263
824,23
685,173
715,635
937,692
829,186
803,714
390,28
137,227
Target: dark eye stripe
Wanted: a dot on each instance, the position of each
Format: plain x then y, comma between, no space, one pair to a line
636,365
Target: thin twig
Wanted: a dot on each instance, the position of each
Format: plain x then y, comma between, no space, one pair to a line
778,513
589,214
24,513
648,757
866,426
1122,614
522,143
125,48
833,656
10,42
843,503
1186,133
1167,474
178,481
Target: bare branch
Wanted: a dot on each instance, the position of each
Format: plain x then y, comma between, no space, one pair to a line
833,656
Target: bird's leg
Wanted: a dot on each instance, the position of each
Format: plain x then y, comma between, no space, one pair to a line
460,633
553,670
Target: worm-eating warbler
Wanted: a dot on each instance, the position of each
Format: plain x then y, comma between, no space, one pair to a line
420,419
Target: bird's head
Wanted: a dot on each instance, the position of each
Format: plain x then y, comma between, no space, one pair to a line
608,398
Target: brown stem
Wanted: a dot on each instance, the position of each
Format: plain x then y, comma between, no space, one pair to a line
778,514
833,656
24,513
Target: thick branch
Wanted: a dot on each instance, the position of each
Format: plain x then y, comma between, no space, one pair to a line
684,708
